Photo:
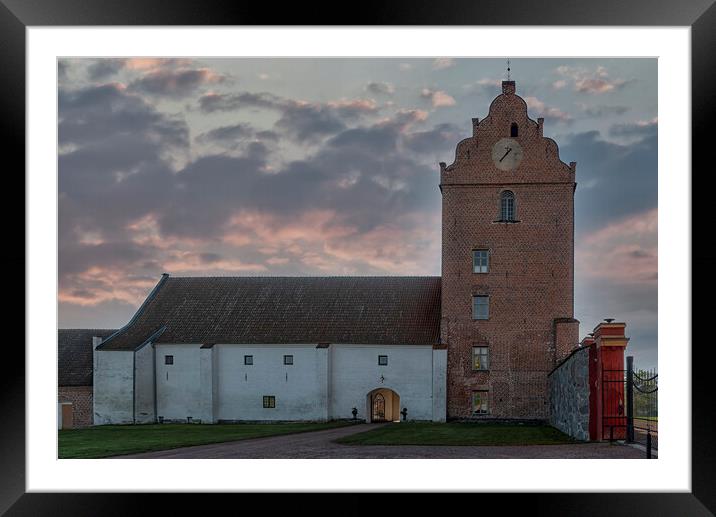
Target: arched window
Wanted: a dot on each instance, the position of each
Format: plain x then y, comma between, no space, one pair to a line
514,130
507,206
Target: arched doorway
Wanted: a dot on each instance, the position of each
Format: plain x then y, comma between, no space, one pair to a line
383,405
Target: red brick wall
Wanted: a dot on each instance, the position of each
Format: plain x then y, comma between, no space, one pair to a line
530,281
81,398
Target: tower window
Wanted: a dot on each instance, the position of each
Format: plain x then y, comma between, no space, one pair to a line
248,359
507,206
480,261
288,359
514,130
480,307
168,359
480,402
269,401
383,360
480,358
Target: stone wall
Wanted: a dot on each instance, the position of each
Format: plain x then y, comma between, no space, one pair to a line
569,395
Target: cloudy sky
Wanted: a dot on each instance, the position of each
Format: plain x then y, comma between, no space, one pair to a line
330,167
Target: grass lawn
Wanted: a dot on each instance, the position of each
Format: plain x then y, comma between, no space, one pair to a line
112,440
458,433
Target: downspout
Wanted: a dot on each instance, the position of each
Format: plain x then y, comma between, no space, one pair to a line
154,379
134,387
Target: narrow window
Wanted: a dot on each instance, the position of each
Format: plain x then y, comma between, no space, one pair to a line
507,206
480,402
168,359
269,401
480,358
248,359
383,360
480,307
514,130
480,261
287,359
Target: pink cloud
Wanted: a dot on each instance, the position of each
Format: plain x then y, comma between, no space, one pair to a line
320,239
97,285
438,98
547,112
145,64
274,233
189,262
625,251
365,105
315,242
588,81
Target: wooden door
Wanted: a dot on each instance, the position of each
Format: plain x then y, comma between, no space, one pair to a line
67,416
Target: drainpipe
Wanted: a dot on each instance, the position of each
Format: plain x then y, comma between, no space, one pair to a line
154,378
134,387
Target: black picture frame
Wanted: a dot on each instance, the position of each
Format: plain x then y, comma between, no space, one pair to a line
700,15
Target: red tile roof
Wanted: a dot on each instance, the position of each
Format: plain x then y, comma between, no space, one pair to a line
284,310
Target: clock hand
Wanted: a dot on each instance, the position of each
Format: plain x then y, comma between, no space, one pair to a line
508,152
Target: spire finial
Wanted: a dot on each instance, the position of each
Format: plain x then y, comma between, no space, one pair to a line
508,69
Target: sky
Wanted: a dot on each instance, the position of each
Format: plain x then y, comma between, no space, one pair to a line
318,166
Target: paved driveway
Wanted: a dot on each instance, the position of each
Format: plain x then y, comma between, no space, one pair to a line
319,444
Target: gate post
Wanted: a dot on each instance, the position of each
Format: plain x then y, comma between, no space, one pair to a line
630,398
609,345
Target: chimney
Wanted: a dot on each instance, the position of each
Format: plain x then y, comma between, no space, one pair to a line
475,123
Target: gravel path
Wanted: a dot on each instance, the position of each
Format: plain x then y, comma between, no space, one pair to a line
319,444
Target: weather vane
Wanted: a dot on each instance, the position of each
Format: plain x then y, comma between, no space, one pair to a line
508,69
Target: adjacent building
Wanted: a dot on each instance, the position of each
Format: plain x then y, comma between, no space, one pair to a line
225,349
74,375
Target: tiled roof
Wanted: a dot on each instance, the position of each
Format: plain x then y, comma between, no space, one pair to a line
74,355
283,310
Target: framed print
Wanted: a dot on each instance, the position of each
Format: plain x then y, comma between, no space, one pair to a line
268,258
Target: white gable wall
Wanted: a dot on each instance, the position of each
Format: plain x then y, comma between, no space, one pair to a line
113,387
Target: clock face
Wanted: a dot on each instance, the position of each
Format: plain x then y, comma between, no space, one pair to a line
507,154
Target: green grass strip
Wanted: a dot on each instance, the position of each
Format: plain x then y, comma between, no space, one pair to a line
112,440
459,433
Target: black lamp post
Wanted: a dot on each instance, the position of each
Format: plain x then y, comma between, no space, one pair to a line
355,413
404,412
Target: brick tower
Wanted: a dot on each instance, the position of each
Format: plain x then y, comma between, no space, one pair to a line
507,264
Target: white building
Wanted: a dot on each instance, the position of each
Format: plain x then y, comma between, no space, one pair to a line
276,348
